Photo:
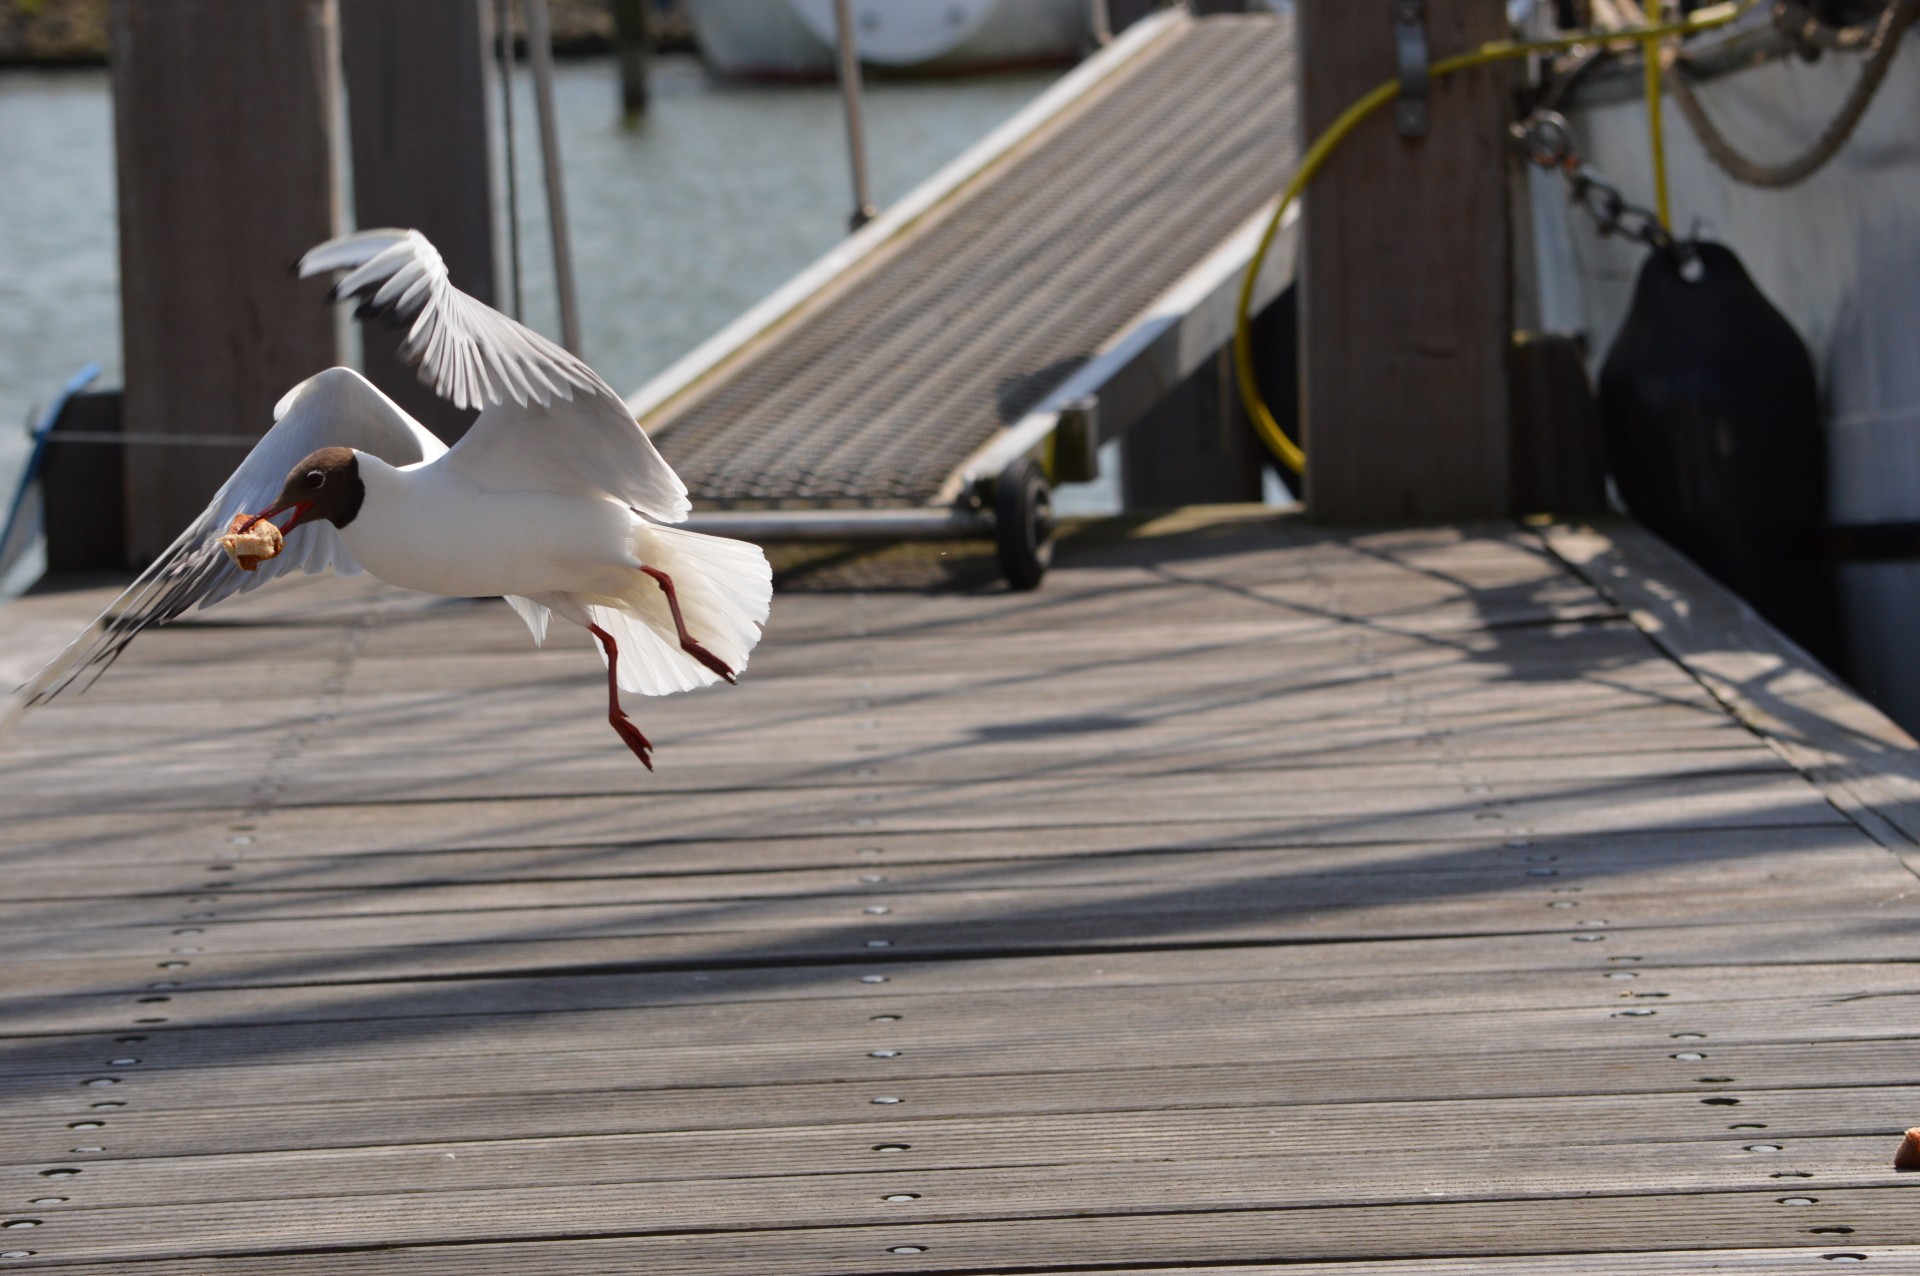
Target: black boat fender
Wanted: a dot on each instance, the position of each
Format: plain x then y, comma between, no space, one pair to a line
1711,412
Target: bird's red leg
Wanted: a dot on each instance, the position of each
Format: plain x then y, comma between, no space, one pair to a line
641,746
687,643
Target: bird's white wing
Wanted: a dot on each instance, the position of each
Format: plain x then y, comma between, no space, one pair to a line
547,421
586,447
336,408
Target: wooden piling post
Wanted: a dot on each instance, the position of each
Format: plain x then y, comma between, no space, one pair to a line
418,76
630,47
540,54
224,129
1405,318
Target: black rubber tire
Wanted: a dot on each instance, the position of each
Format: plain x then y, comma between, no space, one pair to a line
1023,524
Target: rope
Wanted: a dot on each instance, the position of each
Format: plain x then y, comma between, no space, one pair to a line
1884,43
1801,25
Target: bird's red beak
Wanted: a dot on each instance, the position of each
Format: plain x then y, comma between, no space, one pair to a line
299,509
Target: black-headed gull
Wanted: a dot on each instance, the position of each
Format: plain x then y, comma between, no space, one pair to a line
555,499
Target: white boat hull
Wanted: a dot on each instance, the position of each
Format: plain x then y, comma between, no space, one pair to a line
794,39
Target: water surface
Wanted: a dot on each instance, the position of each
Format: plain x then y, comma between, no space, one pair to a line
719,196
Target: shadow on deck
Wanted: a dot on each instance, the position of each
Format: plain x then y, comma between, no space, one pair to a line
1252,894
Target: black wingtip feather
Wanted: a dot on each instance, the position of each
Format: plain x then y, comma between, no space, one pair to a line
391,311
179,584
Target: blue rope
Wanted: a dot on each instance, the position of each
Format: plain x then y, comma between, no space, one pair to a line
75,384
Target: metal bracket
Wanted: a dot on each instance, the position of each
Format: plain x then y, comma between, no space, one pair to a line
1410,63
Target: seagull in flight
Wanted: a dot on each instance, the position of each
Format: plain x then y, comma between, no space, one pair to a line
555,499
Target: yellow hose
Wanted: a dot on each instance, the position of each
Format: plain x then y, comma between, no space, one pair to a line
1656,135
1285,449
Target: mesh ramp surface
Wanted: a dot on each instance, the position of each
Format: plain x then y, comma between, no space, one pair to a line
878,391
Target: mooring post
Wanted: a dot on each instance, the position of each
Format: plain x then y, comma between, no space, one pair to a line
630,46
418,77
1405,320
849,51
504,56
224,130
1099,23
540,53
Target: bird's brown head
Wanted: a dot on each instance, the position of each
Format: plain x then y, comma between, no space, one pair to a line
325,485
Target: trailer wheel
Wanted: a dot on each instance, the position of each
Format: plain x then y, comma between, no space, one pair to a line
1023,524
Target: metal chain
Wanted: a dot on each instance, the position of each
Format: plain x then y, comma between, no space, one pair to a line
1548,143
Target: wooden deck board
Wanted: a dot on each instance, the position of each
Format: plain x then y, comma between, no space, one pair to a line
455,1209
446,1100
934,1145
1700,1221
1250,895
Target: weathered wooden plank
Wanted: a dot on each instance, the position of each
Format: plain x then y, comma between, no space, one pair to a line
961,923
322,713
731,1049
281,993
325,734
1780,1261
1696,1221
758,870
1749,800
196,840
1192,545
1465,619
692,1013
1272,889
1103,615
1148,686
255,1107
1801,1121
578,756
443,1204
574,757
1785,1261
1788,940
766,717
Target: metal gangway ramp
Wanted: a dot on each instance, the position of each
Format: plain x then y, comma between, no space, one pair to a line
1021,307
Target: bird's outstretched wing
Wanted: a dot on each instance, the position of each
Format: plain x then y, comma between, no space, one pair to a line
547,421
336,408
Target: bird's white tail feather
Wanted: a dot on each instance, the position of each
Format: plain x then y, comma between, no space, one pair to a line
725,588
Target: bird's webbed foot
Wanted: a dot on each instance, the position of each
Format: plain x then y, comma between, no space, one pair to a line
641,746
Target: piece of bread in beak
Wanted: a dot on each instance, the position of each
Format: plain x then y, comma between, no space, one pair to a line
254,546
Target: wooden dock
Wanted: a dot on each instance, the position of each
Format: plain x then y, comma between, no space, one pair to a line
1252,897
